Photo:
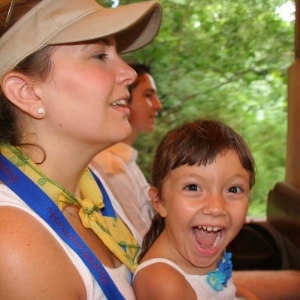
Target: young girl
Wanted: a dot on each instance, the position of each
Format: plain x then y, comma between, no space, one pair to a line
202,175
63,99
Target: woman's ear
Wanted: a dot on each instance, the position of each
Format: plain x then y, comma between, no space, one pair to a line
156,202
21,91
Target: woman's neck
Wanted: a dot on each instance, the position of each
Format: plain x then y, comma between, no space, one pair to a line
63,165
132,138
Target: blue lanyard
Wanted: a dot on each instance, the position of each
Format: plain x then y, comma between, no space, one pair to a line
42,205
108,209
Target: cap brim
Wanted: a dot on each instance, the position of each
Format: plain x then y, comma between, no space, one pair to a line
134,26
53,22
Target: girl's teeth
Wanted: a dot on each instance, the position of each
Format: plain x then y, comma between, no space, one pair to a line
217,233
209,228
217,240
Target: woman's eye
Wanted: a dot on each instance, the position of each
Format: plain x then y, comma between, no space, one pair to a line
101,56
192,187
235,189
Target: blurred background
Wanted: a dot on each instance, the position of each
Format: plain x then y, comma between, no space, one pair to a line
225,59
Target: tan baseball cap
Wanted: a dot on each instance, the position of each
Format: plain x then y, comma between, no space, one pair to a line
53,22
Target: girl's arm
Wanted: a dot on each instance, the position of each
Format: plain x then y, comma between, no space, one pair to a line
161,282
270,285
244,293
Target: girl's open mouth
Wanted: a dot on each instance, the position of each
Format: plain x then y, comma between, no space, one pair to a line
207,237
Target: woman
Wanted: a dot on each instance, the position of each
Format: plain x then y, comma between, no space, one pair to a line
63,99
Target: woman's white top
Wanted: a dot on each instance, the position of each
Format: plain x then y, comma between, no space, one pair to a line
121,276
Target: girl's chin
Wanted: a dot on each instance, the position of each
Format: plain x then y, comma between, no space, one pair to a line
207,263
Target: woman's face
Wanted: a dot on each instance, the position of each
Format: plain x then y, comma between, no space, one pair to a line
85,95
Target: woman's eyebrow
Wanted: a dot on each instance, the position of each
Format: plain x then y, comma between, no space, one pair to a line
105,41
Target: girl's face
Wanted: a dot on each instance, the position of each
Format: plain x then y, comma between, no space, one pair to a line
85,96
204,209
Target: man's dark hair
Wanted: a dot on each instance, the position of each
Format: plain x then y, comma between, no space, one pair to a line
140,70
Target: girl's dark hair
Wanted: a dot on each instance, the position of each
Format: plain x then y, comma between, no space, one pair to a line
194,143
36,66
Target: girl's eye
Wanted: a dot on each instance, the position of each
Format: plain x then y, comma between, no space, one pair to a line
101,56
192,187
235,189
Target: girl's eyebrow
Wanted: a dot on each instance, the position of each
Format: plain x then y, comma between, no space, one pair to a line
238,175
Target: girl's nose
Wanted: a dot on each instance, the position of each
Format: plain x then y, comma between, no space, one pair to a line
215,205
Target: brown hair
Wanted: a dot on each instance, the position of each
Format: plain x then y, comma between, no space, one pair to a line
36,66
194,143
140,69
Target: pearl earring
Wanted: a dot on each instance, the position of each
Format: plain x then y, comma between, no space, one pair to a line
40,111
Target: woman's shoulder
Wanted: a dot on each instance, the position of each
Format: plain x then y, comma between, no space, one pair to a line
27,245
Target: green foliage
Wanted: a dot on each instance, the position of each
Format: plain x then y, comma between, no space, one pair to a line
228,60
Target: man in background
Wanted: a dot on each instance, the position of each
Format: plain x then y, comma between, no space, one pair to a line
119,161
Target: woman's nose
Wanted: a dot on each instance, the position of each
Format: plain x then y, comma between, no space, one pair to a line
126,75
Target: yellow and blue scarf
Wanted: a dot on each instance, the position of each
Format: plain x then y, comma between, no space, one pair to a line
111,230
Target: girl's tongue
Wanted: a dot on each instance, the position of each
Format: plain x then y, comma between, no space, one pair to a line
207,239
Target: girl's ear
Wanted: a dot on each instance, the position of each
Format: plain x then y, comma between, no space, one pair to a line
21,91
157,203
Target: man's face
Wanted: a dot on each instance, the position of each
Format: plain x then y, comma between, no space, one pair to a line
144,105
